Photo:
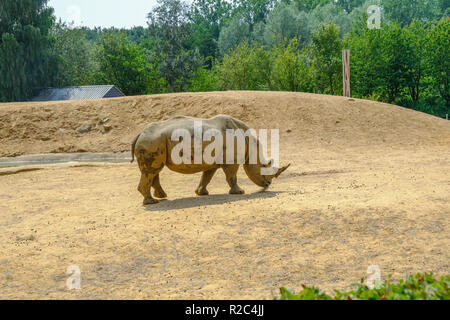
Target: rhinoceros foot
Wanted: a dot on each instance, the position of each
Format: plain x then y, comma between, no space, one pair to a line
160,194
237,190
202,192
148,201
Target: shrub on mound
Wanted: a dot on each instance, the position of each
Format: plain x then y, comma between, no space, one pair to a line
418,287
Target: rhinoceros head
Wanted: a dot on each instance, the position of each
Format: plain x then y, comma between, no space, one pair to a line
253,171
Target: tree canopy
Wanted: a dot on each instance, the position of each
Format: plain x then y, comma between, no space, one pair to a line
204,45
26,60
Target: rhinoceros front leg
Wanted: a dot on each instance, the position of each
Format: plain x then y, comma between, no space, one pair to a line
145,187
206,179
159,192
231,175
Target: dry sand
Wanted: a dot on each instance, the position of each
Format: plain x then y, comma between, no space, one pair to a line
369,185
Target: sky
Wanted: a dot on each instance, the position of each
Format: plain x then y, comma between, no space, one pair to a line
103,13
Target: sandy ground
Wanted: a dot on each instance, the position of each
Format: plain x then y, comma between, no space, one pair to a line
323,224
351,199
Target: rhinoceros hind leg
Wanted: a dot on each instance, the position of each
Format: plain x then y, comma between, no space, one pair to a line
145,187
206,179
159,191
231,175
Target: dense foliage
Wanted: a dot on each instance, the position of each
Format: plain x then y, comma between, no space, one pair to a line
204,45
418,287
26,58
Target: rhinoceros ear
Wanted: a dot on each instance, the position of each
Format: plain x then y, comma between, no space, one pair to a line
280,171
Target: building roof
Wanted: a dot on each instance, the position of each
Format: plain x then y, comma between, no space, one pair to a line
78,93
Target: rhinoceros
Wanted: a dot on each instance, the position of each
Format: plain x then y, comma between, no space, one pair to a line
154,145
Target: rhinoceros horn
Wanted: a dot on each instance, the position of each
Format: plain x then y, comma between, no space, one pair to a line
254,173
281,170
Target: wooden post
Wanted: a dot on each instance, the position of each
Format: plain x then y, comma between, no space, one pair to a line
346,72
446,116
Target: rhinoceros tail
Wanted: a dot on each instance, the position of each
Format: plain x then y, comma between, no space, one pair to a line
133,147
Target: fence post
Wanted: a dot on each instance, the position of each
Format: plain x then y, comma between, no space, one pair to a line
346,73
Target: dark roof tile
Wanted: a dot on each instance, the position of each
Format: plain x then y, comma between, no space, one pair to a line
78,93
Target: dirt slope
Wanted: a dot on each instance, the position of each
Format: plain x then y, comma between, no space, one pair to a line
316,120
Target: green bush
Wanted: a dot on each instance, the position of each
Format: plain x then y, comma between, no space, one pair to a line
432,105
418,287
204,80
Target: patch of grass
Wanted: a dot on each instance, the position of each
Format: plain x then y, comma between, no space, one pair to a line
418,287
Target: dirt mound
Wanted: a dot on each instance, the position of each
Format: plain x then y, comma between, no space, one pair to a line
109,125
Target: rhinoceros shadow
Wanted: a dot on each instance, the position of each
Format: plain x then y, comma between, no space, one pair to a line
193,202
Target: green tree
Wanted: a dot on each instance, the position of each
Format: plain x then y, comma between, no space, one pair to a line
358,16
204,80
234,33
207,17
330,13
264,63
386,62
327,58
308,5
290,72
438,50
416,37
398,58
26,61
75,54
169,26
405,11
245,68
92,35
137,35
125,65
349,5
367,62
286,22
253,11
